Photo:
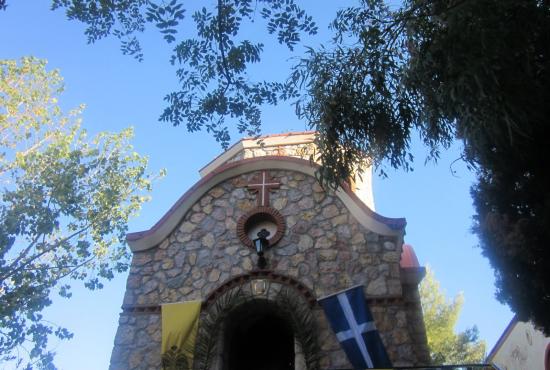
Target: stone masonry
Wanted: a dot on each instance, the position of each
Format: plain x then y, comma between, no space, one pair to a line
324,247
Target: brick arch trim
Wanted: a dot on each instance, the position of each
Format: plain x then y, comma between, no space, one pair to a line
143,240
235,281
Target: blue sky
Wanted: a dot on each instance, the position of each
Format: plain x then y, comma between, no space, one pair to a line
120,92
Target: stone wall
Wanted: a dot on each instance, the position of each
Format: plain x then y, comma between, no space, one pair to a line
324,247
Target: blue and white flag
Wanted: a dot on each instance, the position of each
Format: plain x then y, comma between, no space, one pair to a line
352,322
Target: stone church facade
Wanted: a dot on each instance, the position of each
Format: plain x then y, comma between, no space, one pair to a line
321,242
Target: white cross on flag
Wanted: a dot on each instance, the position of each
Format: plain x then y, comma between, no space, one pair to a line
351,320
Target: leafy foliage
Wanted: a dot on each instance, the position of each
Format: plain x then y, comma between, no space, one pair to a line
357,98
469,70
440,318
64,205
211,65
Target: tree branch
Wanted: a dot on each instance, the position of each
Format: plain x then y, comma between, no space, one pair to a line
13,268
225,69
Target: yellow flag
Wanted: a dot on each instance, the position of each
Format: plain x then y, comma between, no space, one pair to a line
180,322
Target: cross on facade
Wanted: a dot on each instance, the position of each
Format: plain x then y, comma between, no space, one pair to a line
261,184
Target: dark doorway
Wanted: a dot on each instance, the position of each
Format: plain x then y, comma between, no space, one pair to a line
258,338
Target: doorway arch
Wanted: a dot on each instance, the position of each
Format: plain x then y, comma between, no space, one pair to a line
257,336
253,305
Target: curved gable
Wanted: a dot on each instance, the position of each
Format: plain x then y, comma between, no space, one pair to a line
140,241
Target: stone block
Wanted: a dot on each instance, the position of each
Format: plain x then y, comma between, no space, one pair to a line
208,240
389,246
183,237
327,255
167,264
286,251
377,286
150,286
372,237
323,243
330,211
340,220
306,203
141,258
175,282
246,264
391,257
218,214
216,192
343,231
124,335
305,242
197,217
358,238
214,275
279,203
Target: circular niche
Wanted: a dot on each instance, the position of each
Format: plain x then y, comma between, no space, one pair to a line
257,219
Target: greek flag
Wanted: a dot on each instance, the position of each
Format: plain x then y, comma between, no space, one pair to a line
351,320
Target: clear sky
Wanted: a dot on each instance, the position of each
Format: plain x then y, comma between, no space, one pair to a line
119,92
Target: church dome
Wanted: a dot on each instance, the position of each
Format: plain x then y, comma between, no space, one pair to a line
408,257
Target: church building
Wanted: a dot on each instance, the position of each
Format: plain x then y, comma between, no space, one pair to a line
238,274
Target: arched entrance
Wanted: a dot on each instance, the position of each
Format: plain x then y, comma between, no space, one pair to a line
258,321
257,337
